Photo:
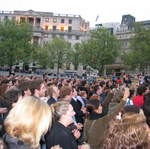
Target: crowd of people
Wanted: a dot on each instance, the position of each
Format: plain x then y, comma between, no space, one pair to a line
52,113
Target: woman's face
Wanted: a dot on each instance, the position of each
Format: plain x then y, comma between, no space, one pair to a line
69,114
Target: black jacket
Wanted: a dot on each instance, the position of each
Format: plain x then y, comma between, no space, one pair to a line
77,108
60,135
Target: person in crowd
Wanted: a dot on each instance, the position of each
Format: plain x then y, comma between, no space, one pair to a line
128,130
3,108
119,81
97,91
38,89
129,100
66,93
127,80
77,106
11,97
60,134
146,108
25,86
82,96
95,126
53,93
27,121
139,99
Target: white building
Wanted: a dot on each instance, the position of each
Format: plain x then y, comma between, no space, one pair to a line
47,25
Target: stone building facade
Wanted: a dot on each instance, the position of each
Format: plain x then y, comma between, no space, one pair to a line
47,25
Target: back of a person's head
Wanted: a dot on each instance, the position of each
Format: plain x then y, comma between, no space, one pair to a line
64,91
130,131
11,96
92,105
141,89
28,120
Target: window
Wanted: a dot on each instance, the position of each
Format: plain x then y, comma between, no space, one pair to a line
38,20
35,39
84,67
31,20
46,19
6,17
62,20
76,67
69,28
54,28
70,21
77,37
62,28
54,20
22,20
85,26
46,27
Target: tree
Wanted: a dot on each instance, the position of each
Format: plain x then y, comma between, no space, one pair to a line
139,56
76,55
15,42
55,52
40,55
100,50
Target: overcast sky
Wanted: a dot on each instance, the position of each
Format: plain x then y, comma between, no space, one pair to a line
108,10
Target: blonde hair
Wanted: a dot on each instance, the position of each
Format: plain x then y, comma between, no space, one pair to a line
59,108
29,120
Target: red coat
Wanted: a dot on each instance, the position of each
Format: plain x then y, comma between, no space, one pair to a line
138,100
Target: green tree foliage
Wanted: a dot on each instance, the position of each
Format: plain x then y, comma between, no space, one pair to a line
100,50
40,55
139,56
15,42
75,55
55,52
